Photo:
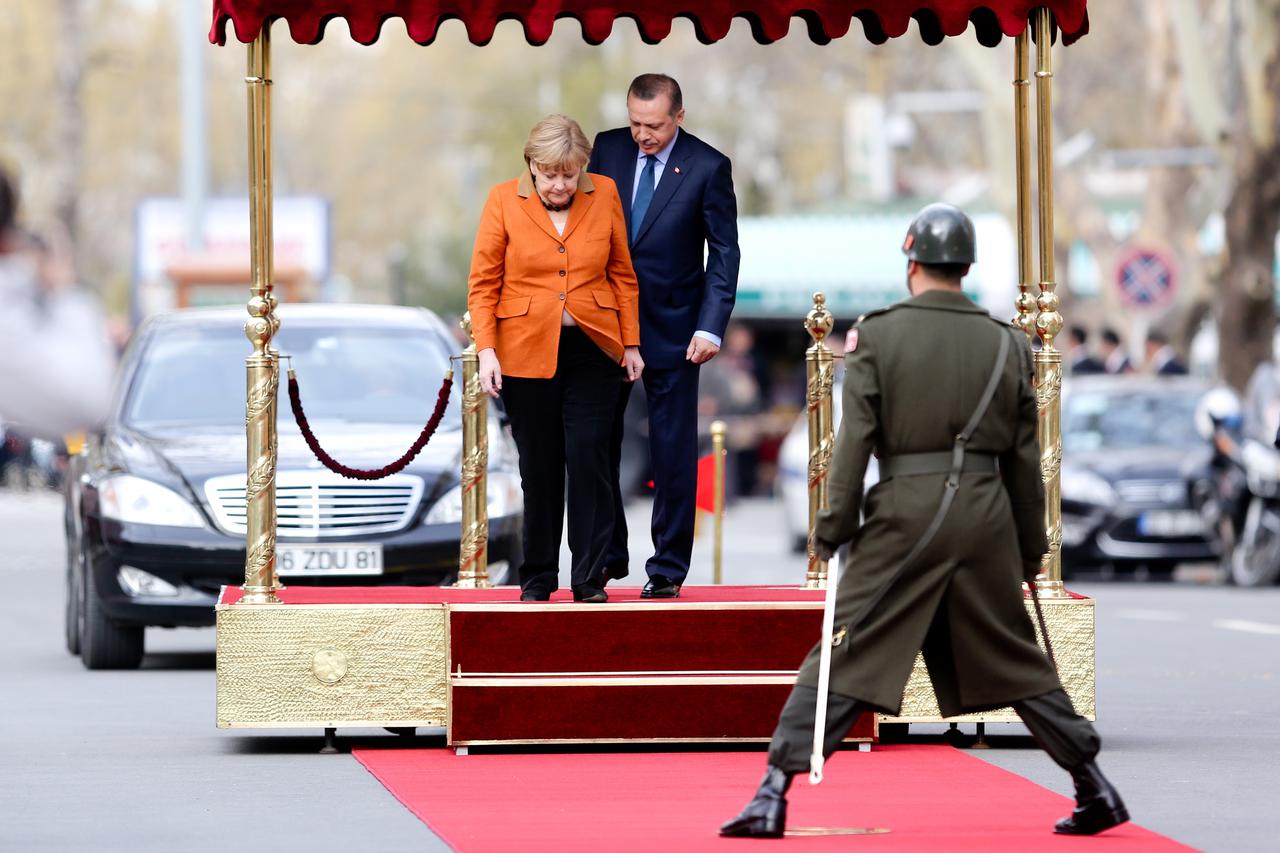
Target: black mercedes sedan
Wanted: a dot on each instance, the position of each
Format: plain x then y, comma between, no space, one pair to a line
155,504
1126,443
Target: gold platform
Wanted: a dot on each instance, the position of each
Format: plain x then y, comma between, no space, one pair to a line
1070,622
373,665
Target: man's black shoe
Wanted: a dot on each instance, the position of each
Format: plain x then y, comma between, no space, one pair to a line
660,586
534,595
766,815
1098,804
590,595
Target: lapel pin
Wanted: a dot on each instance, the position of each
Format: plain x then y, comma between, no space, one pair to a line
677,170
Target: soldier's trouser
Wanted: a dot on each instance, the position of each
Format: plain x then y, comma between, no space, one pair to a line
793,738
1069,739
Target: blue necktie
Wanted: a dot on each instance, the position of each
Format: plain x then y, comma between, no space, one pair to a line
644,195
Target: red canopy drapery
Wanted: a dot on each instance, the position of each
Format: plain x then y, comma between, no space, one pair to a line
769,19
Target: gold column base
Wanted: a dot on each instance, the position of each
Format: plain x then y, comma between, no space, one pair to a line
1046,588
260,595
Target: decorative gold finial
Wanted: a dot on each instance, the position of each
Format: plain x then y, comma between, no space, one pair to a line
819,322
465,323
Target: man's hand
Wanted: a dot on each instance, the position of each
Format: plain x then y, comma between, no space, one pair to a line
823,549
632,363
700,350
490,372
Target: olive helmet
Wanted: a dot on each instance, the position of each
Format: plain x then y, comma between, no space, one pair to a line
940,234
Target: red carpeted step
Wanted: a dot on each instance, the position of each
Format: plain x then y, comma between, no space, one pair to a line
702,668
931,798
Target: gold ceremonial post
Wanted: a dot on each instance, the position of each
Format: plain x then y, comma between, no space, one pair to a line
1026,302
820,370
1048,360
263,366
718,430
473,556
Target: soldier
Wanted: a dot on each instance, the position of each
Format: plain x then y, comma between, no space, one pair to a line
941,393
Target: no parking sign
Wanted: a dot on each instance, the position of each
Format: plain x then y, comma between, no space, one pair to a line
1147,277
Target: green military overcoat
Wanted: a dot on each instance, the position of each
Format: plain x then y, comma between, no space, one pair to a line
911,383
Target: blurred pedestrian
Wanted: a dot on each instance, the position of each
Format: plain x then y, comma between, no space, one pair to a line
57,364
1114,359
1162,359
1079,361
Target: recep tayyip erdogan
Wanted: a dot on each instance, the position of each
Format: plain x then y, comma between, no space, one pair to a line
682,217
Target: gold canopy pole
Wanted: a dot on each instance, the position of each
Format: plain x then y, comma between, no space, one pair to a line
820,370
1026,302
1048,360
718,432
263,366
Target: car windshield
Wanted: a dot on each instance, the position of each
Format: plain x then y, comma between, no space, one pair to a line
1130,419
192,375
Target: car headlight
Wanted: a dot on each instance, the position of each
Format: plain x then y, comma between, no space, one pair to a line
503,493
137,501
1087,487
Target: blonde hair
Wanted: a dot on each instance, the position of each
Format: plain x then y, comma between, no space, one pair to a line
557,142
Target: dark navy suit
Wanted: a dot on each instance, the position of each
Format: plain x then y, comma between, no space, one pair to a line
686,259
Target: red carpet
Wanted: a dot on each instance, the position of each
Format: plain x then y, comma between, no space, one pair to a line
931,798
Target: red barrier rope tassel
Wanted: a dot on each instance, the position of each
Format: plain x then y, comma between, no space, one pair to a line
442,402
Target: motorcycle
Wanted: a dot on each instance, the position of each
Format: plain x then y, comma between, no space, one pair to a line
1238,493
1255,561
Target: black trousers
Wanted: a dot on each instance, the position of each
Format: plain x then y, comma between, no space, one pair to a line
672,397
563,424
1068,738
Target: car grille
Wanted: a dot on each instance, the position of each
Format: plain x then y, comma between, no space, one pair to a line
1149,491
311,504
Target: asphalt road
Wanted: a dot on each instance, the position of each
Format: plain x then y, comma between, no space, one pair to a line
129,761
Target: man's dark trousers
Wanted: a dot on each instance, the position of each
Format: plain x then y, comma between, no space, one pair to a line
672,395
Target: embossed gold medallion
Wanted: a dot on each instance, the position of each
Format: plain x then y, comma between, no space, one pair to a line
329,665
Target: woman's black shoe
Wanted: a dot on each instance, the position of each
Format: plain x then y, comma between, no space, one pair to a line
590,595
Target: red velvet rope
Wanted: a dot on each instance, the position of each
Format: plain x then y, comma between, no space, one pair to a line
442,401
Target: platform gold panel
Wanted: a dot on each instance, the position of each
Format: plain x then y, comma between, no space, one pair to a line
1070,622
325,665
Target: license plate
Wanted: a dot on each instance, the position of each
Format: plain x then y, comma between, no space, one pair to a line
328,560
1170,523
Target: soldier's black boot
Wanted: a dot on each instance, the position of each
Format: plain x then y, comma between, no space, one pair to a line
1098,804
766,815
1073,743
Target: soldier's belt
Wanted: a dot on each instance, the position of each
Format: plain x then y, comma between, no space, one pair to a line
916,464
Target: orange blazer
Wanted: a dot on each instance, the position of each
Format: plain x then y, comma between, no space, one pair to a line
524,274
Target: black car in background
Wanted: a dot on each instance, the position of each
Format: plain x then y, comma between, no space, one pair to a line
155,504
1127,443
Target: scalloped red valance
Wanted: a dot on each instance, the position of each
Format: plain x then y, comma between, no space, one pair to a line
770,19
